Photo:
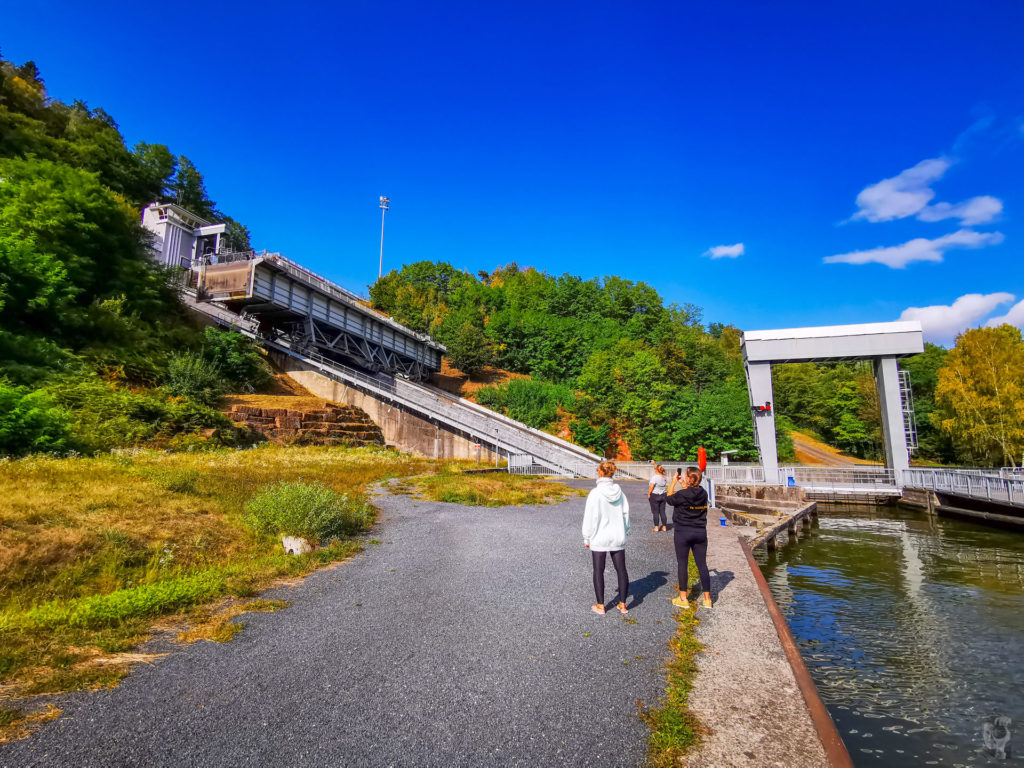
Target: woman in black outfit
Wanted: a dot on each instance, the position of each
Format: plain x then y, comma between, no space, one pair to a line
690,526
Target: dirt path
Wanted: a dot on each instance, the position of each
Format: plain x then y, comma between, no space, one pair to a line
814,452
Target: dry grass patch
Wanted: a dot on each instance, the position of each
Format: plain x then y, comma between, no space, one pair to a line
218,627
496,489
15,724
94,551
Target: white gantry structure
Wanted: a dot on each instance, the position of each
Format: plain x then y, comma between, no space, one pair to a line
180,238
882,343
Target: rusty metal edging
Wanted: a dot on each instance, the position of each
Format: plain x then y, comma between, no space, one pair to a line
835,749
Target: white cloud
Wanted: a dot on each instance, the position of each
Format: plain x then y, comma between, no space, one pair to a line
942,323
977,210
910,192
1014,317
902,195
919,249
724,251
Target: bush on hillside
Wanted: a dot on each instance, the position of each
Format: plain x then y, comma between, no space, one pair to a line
309,510
532,402
469,350
237,358
193,376
102,416
29,422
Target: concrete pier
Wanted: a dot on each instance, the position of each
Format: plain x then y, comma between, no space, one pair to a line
746,690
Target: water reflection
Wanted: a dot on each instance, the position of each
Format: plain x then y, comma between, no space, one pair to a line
912,627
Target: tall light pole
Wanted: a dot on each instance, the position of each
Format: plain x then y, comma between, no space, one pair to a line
383,209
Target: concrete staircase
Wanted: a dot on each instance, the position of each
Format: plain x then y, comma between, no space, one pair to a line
330,424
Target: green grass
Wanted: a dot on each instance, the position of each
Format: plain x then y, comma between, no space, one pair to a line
497,489
674,730
8,716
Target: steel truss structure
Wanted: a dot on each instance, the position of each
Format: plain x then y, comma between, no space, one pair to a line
292,304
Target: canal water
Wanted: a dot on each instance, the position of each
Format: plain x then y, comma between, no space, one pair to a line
912,627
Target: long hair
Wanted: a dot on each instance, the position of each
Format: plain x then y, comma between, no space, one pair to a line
606,469
693,475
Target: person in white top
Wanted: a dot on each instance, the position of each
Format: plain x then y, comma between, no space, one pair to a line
656,498
605,528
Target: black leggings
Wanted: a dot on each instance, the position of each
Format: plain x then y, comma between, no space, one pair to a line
657,502
619,561
695,539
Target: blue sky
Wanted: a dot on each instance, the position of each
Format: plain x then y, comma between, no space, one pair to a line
594,138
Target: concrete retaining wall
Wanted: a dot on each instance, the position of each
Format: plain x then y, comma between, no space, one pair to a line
404,429
761,492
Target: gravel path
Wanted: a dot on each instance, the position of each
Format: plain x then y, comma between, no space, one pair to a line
464,638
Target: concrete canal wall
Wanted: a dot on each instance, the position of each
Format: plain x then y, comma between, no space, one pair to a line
946,504
751,691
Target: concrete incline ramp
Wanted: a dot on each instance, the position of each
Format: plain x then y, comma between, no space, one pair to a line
496,432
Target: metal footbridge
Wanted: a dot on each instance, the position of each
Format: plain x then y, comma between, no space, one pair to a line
543,451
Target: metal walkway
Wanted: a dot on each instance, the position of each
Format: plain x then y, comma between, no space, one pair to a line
507,436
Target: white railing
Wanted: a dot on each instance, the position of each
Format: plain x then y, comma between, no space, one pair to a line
967,483
742,474
839,478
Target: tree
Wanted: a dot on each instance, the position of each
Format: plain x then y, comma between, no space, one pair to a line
469,350
156,168
75,240
980,395
189,189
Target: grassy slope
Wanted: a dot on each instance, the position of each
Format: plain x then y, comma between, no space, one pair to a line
93,550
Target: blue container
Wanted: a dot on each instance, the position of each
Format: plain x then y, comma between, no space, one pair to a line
721,521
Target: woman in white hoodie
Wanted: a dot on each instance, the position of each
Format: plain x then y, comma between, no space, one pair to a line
605,527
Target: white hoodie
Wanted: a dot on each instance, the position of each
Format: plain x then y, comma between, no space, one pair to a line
606,519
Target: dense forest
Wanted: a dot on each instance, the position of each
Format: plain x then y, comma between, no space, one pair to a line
96,351
624,372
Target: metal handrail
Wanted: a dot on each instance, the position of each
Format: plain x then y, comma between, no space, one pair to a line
967,483
511,438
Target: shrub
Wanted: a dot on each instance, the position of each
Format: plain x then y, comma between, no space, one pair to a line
535,403
193,376
309,510
469,350
595,437
102,416
237,358
29,422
